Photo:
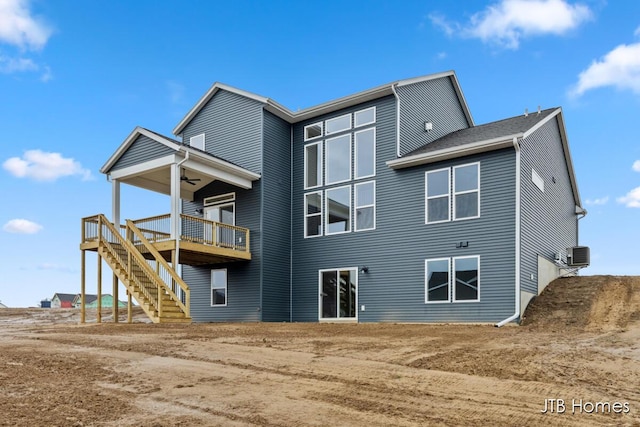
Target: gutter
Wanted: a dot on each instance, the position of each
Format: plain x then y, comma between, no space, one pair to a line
393,89
516,313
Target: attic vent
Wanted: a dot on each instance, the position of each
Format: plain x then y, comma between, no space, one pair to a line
578,256
197,141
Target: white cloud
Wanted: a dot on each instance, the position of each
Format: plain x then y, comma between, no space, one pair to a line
632,199
22,226
600,201
43,166
12,65
507,22
637,32
46,74
619,68
20,28
636,166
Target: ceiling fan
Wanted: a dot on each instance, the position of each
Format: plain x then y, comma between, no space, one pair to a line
183,177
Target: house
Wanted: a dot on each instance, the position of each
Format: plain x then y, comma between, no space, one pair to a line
107,302
62,300
390,204
88,299
2,305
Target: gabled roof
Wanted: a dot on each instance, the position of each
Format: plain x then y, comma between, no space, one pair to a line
489,137
174,145
64,297
502,129
327,107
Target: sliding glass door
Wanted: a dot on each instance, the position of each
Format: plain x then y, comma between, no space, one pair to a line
338,294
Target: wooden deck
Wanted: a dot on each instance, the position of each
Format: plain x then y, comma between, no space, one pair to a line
190,253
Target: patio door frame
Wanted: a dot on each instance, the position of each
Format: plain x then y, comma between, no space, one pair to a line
354,271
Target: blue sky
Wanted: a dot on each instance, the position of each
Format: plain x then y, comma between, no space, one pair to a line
77,77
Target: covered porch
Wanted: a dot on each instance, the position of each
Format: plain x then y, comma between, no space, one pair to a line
157,163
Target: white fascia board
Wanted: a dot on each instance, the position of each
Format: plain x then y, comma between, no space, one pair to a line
142,168
453,152
129,140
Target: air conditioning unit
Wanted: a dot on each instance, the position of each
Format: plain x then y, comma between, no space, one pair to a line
578,256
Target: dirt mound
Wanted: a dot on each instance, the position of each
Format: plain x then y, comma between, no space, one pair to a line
54,316
590,303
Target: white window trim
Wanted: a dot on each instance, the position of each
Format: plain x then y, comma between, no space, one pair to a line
326,127
204,141
226,288
452,278
321,157
426,281
355,153
427,197
313,137
357,206
355,125
337,319
220,199
306,235
326,160
326,216
537,180
452,182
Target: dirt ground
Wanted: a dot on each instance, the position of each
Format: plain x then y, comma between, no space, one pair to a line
579,342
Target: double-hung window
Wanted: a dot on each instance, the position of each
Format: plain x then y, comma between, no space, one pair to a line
365,206
313,214
452,193
454,279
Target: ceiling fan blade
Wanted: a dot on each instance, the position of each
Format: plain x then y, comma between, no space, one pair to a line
190,182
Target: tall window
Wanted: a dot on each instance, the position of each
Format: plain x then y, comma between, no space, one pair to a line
365,153
219,287
338,159
313,165
452,193
454,279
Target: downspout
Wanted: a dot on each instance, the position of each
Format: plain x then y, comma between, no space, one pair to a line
516,314
393,89
291,225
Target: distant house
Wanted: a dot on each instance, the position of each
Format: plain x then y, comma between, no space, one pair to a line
62,300
107,302
3,306
89,298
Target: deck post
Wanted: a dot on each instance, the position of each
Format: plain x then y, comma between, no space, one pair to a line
114,310
115,203
82,287
129,308
99,300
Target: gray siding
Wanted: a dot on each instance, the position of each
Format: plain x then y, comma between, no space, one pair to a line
141,150
393,289
432,101
232,125
276,219
549,223
243,278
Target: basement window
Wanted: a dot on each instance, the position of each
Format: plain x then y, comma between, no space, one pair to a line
219,287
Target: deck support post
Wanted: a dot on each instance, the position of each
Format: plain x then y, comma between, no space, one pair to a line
82,288
99,300
129,308
114,310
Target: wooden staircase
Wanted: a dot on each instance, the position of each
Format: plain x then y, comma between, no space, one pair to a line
143,271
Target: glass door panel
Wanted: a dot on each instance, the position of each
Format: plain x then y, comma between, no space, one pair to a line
338,294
